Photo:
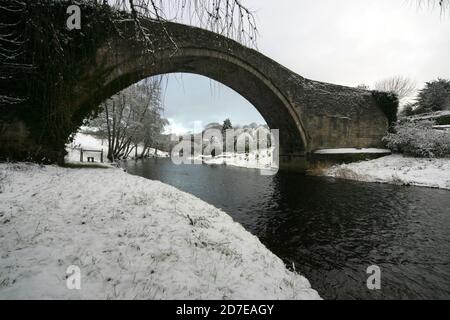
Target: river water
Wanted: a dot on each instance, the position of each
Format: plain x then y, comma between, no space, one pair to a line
331,230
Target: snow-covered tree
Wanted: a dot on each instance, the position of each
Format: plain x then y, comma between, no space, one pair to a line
132,118
226,125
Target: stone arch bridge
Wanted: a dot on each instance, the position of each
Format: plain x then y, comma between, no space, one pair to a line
310,115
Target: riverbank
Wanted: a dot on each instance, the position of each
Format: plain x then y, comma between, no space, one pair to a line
132,238
261,159
89,142
396,169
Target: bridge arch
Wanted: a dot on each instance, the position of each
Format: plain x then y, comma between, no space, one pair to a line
309,114
129,66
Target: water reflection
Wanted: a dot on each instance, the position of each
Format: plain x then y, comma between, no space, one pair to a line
332,230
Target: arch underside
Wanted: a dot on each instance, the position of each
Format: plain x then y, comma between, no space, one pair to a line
235,74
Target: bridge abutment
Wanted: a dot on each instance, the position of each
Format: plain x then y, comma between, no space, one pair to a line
293,162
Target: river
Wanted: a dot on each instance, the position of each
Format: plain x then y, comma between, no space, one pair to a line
331,230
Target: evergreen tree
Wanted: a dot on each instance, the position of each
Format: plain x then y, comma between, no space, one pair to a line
226,125
434,97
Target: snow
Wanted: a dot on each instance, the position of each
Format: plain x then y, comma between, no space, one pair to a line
261,159
351,150
431,115
442,127
132,238
89,142
397,169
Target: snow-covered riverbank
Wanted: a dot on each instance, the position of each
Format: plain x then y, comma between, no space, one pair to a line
396,169
261,159
131,238
87,141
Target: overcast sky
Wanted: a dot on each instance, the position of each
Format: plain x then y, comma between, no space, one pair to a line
346,42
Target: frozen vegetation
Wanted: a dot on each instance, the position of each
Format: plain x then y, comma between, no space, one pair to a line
419,139
132,238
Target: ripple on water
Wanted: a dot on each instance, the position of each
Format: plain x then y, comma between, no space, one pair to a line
332,230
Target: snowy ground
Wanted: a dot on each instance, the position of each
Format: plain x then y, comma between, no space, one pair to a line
261,159
442,127
89,142
431,115
352,151
132,239
397,169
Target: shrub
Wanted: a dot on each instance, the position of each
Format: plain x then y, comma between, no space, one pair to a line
419,139
388,102
443,120
408,110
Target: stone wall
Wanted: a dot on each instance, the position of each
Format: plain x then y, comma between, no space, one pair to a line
309,114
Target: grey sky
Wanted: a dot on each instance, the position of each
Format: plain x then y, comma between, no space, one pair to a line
345,42
193,101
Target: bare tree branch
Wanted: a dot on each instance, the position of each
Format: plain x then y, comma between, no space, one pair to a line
444,5
227,17
403,87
